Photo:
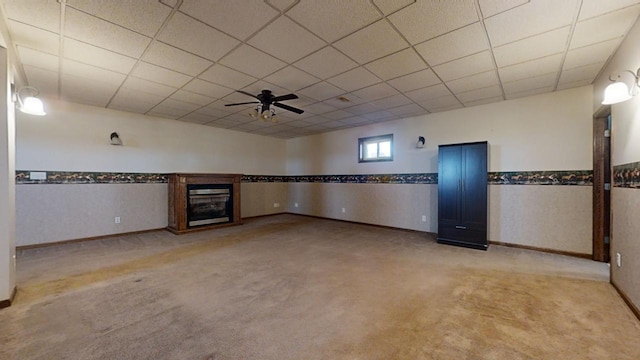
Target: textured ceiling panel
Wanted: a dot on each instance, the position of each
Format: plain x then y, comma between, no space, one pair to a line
236,18
351,63
444,16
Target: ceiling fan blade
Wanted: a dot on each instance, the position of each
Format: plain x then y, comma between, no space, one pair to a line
243,103
290,108
285,97
246,93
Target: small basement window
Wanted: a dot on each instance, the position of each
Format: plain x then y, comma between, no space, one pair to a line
375,148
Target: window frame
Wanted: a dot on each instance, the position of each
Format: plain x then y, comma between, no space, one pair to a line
374,139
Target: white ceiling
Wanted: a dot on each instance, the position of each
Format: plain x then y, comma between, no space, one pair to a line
183,59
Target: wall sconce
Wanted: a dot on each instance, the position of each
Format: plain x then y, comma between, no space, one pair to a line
28,102
115,139
619,91
420,143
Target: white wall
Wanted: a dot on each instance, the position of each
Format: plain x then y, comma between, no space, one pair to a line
74,137
544,132
625,148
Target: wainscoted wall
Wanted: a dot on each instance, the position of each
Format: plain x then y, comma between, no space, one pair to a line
258,198
625,240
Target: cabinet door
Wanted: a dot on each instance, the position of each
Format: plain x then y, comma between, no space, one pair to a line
474,186
450,171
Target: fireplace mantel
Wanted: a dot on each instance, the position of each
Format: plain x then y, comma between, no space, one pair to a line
179,184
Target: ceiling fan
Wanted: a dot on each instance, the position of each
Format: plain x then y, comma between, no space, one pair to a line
263,111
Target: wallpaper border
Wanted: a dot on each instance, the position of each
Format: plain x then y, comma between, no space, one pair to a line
560,177
627,175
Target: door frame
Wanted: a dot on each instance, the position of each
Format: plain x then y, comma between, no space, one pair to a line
601,176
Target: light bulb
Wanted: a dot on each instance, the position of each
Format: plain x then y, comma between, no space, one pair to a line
33,105
615,93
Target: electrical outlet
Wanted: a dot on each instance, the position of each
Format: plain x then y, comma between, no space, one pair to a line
296,204
618,259
117,220
276,204
424,218
344,210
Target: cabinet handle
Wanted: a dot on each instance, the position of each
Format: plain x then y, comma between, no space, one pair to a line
461,227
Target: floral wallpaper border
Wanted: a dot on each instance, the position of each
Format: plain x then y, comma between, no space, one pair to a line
627,175
578,177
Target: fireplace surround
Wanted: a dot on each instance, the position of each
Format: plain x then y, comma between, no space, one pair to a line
203,201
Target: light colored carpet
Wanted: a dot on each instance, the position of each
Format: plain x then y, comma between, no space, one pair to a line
293,287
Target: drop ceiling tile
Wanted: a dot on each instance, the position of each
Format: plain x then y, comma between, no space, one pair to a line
569,85
321,91
480,94
222,123
443,16
354,120
85,71
414,81
340,103
133,100
334,19
587,72
252,61
286,40
92,55
591,8
408,110
482,101
398,64
160,75
466,66
173,108
142,16
38,59
334,125
92,30
605,27
442,103
291,78
380,115
175,59
260,85
477,81
46,81
147,86
392,101
42,14
535,47
541,66
493,7
531,83
236,18
319,108
529,92
375,92
597,53
192,98
357,78
373,42
530,19
34,38
326,63
390,6
170,3
208,89
86,91
362,109
469,40
281,5
228,77
197,38
212,113
196,118
163,115
337,115
427,93
238,119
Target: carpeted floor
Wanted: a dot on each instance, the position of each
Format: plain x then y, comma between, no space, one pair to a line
293,287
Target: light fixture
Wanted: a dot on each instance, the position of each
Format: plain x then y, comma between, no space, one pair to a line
115,139
255,113
420,143
28,102
266,115
619,91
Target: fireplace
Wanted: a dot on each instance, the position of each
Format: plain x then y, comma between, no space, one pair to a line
209,204
203,201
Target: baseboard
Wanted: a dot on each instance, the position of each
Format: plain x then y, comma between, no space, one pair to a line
627,300
535,248
63,242
10,300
